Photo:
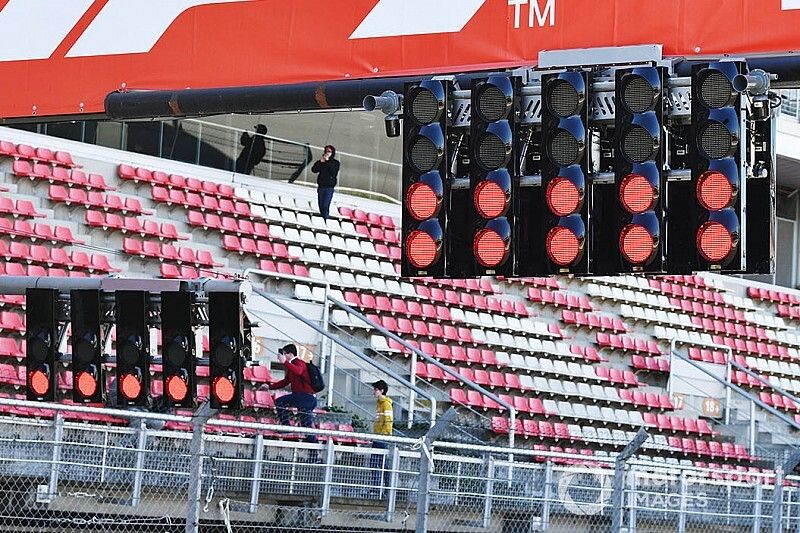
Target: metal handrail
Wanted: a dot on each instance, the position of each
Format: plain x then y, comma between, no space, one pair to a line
389,372
281,139
512,410
730,386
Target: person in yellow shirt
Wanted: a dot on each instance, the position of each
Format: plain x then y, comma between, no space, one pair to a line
383,426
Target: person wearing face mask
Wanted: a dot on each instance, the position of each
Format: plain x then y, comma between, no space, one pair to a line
327,170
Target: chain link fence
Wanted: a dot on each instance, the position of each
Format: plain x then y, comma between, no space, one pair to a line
152,473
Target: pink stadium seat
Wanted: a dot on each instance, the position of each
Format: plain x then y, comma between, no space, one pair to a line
170,271
8,149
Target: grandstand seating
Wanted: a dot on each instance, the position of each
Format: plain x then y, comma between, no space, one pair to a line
584,361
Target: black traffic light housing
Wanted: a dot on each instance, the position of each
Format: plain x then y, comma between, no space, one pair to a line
494,172
132,348
565,165
41,342
426,177
88,380
639,168
226,361
177,349
717,157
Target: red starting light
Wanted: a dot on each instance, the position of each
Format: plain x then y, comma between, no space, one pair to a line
636,194
714,241
422,201
491,200
130,386
177,388
223,390
39,382
421,249
562,246
87,384
563,197
490,248
714,190
636,243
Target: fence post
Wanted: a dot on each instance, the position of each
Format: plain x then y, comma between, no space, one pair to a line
426,468
547,494
394,480
58,437
258,458
759,493
326,487
619,478
487,504
201,416
684,493
777,500
141,449
631,484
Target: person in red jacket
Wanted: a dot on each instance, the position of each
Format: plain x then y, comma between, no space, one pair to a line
302,395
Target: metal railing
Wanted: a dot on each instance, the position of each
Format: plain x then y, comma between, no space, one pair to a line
62,475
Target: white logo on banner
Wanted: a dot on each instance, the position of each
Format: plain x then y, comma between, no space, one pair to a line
33,29
392,18
786,5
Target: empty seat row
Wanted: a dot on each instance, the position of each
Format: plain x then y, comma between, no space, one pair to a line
171,271
398,306
203,202
343,261
11,321
169,252
175,181
560,299
779,401
691,280
756,348
324,243
257,248
231,225
132,225
66,177
370,219
45,155
690,293
467,300
20,228
646,399
712,448
628,343
281,267
677,424
705,309
789,311
771,295
653,364
548,365
593,321
392,252
728,328
55,257
548,282
15,269
636,313
106,202
388,236
18,208
605,292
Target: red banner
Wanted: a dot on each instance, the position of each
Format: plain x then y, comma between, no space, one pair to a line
63,57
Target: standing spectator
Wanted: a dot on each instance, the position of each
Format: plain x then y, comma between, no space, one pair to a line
383,426
302,395
253,151
328,169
